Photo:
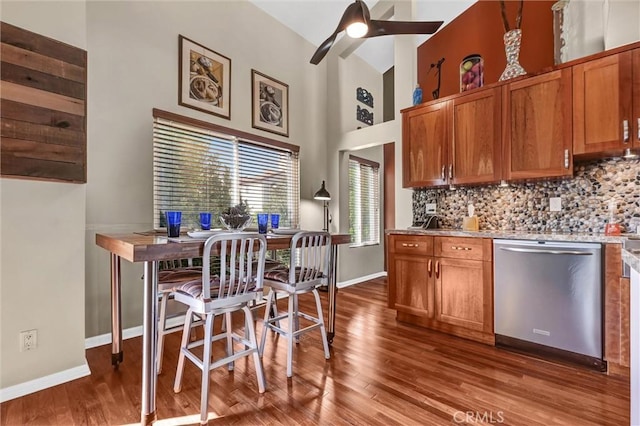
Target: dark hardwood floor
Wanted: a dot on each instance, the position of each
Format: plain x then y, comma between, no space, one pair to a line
381,373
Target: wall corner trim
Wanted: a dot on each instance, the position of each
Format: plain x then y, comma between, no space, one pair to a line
45,382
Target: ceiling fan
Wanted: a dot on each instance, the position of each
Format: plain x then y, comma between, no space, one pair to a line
357,22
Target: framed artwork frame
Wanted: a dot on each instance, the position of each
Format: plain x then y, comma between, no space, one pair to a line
204,79
269,104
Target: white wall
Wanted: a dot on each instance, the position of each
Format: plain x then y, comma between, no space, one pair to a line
621,22
379,134
42,243
353,73
591,26
358,262
132,63
126,83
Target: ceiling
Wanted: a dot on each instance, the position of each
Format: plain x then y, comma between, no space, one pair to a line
315,20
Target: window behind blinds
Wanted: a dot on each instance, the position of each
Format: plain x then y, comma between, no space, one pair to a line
364,201
196,169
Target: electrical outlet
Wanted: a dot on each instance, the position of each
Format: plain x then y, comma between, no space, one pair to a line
28,340
430,208
555,204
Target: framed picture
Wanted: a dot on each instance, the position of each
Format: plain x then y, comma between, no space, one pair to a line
270,104
205,79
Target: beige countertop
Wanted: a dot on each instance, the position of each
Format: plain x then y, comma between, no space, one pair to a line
517,235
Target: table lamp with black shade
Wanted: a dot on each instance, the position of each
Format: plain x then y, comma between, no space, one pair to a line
323,194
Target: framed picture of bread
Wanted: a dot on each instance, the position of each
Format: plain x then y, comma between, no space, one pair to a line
205,79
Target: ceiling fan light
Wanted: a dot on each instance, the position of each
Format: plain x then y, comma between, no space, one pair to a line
357,29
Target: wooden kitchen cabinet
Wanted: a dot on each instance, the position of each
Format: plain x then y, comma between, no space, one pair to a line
443,283
605,118
530,128
617,313
474,142
537,131
456,141
464,283
411,275
424,145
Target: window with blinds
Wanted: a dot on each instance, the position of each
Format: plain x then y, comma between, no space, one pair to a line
201,169
364,201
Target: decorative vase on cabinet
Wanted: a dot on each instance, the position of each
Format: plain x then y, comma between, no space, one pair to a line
512,39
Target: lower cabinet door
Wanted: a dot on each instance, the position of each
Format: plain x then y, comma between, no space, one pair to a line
463,293
412,285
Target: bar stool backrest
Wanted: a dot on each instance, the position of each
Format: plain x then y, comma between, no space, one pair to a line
239,262
310,258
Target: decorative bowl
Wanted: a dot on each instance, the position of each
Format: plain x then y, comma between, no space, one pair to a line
235,222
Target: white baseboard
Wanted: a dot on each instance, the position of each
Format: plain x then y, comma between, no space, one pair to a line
45,382
359,280
105,339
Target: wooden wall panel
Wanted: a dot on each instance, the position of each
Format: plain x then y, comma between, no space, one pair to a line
43,90
480,30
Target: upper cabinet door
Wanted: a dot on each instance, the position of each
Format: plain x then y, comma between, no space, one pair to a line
424,144
537,126
476,138
602,97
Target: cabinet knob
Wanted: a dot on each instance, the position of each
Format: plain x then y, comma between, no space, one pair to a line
409,245
625,131
430,266
566,158
460,248
638,129
451,171
437,269
442,173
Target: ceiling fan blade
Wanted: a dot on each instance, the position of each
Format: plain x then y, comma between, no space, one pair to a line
381,28
354,10
323,49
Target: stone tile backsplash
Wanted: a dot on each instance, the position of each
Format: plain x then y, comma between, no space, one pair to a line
525,206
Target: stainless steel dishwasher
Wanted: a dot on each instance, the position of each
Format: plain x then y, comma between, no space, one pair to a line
550,294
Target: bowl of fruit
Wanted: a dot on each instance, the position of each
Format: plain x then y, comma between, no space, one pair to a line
471,72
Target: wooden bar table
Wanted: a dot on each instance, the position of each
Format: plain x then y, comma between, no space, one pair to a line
150,248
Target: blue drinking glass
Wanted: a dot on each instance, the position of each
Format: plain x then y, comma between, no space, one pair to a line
173,223
275,220
205,221
263,222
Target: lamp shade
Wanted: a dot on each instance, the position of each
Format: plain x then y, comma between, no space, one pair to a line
357,29
322,193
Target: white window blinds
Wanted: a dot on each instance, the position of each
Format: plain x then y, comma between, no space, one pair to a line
196,169
364,201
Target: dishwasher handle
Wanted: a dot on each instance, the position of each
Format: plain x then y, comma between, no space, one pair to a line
547,251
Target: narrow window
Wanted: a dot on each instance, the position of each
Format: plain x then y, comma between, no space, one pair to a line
364,201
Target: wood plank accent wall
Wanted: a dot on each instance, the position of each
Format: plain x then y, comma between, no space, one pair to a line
43,109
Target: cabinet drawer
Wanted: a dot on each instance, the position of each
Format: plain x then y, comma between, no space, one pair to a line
411,244
462,248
